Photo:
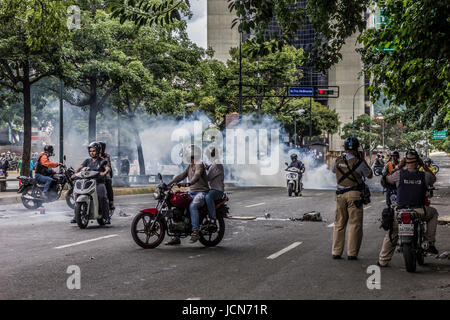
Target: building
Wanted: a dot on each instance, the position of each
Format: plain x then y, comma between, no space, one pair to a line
345,74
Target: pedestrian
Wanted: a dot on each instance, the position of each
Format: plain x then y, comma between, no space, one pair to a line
125,166
350,168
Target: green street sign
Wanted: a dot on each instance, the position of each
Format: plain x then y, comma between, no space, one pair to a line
440,134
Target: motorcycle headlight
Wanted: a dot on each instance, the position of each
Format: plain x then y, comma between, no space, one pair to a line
88,184
79,185
293,176
156,195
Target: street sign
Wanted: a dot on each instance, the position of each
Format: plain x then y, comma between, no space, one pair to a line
301,92
440,134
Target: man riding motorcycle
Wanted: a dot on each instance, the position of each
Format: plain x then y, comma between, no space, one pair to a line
198,185
388,169
427,163
295,163
96,163
44,171
411,192
108,177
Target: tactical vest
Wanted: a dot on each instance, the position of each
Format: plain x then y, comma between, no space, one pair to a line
43,170
343,170
412,189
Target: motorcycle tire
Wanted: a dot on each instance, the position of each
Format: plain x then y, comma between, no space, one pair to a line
290,190
81,215
69,199
409,254
206,239
30,204
159,225
420,257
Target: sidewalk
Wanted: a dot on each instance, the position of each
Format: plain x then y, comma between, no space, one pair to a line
10,196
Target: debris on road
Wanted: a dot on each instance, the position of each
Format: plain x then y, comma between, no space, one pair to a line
309,216
444,255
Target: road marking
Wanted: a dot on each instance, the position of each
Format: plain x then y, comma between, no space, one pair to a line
383,200
255,205
319,194
367,207
194,298
279,253
85,241
331,225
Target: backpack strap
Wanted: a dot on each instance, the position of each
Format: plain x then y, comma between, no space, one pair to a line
350,172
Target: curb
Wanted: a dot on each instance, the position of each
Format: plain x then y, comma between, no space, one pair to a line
117,192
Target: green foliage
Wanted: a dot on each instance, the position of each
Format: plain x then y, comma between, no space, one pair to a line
417,72
365,129
333,22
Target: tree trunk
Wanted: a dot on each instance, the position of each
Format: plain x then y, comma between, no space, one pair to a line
92,122
26,121
137,139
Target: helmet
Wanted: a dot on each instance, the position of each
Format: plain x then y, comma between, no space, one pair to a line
293,156
95,145
48,149
395,154
427,160
351,143
411,153
102,145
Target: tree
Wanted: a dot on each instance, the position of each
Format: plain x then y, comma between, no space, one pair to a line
31,35
366,130
416,69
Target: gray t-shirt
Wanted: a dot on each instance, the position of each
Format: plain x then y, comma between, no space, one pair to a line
363,169
216,176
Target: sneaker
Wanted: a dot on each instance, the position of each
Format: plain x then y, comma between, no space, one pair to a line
352,258
336,256
173,241
381,265
74,220
108,221
432,249
194,236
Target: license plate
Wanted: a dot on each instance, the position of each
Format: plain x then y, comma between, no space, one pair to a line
405,229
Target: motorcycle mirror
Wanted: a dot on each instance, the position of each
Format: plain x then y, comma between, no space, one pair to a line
64,158
286,163
159,176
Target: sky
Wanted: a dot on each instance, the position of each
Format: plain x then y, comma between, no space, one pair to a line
196,27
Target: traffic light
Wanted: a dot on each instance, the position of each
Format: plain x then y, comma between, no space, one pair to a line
323,92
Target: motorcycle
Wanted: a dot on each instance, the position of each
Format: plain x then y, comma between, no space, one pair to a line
32,190
3,183
172,216
87,205
411,236
377,169
293,180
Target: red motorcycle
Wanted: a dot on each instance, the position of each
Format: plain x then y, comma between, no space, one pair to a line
172,216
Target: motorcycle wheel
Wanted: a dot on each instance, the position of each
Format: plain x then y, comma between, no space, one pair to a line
81,215
29,204
290,189
420,257
141,226
69,199
409,254
207,239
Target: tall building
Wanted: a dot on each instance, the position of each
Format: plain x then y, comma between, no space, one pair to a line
345,74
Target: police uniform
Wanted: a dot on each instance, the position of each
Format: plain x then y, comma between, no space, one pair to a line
349,208
411,191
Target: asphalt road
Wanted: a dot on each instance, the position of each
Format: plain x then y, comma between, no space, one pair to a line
36,251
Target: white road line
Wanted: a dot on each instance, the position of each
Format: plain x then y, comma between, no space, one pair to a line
279,253
318,194
194,298
85,241
367,207
330,225
255,205
383,200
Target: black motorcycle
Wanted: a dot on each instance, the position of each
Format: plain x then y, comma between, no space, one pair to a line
32,190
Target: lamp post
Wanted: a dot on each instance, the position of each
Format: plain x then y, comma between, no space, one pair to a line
61,122
184,108
353,117
299,112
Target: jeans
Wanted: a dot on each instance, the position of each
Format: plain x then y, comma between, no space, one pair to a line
212,196
198,200
102,200
44,179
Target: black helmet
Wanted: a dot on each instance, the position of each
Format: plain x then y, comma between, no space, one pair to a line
427,160
102,145
95,145
293,156
351,143
48,149
412,153
395,154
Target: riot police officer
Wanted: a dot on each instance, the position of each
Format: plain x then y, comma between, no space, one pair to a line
350,168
